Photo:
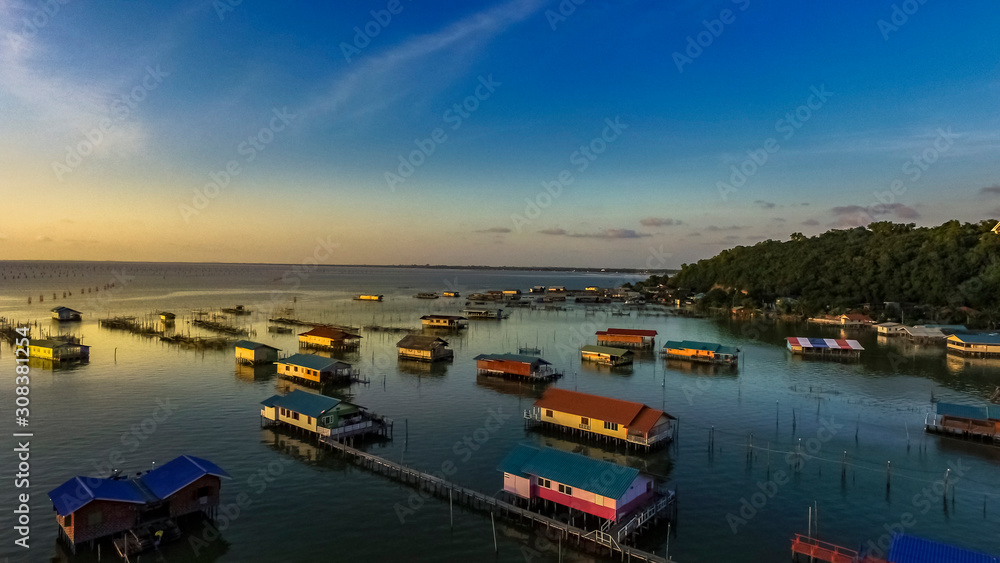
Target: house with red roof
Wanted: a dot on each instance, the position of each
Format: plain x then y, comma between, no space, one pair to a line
627,337
602,417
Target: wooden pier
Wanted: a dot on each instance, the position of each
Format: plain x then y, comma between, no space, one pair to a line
601,539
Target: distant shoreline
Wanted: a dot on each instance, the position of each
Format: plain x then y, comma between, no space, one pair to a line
637,271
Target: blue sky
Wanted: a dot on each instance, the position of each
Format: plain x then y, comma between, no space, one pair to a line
118,121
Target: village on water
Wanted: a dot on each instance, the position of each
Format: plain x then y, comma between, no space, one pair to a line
595,505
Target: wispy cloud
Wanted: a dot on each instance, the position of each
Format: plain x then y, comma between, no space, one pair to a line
858,216
715,228
810,222
659,222
553,232
765,204
605,234
377,79
990,190
494,230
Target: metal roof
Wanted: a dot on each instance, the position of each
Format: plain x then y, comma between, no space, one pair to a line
910,549
444,317
302,402
178,473
606,350
629,332
831,343
581,472
591,406
707,346
312,361
250,345
331,333
524,359
44,343
418,342
976,338
79,491
61,308
963,411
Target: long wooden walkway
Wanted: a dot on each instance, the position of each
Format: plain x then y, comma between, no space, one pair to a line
479,501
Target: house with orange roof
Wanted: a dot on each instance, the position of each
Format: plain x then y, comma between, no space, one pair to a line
602,418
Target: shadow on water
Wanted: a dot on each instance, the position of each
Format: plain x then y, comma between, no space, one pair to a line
513,387
414,367
702,369
255,373
201,541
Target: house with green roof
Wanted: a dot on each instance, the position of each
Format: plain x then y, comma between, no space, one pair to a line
606,355
255,353
326,416
707,352
596,487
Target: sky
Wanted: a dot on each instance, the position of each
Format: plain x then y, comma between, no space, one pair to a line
629,134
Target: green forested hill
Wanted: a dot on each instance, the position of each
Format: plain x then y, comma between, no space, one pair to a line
952,264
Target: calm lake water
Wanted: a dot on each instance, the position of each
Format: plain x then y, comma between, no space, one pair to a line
313,507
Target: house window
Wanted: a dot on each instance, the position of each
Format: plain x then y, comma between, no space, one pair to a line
610,425
295,415
95,518
545,483
295,368
565,490
68,521
202,492
548,413
584,421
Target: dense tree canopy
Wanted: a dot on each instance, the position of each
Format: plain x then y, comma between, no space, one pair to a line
950,265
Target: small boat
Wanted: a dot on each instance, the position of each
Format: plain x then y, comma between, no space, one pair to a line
452,294
426,296
368,297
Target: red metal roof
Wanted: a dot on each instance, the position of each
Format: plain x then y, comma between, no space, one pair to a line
647,419
592,406
628,331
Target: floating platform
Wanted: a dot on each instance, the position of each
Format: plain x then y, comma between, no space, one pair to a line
825,348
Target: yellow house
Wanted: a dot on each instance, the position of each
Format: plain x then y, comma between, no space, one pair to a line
444,321
313,368
602,417
424,348
57,350
254,353
974,345
327,337
308,411
606,355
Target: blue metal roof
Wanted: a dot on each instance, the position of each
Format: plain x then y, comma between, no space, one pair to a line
303,402
962,411
78,491
511,358
909,549
251,345
978,338
599,477
179,473
311,361
993,412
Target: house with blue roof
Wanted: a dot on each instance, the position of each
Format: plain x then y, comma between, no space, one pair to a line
312,368
91,508
592,486
974,345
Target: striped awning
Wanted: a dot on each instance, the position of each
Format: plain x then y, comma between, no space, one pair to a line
831,343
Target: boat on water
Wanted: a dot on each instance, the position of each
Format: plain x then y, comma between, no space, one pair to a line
372,297
426,296
452,294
